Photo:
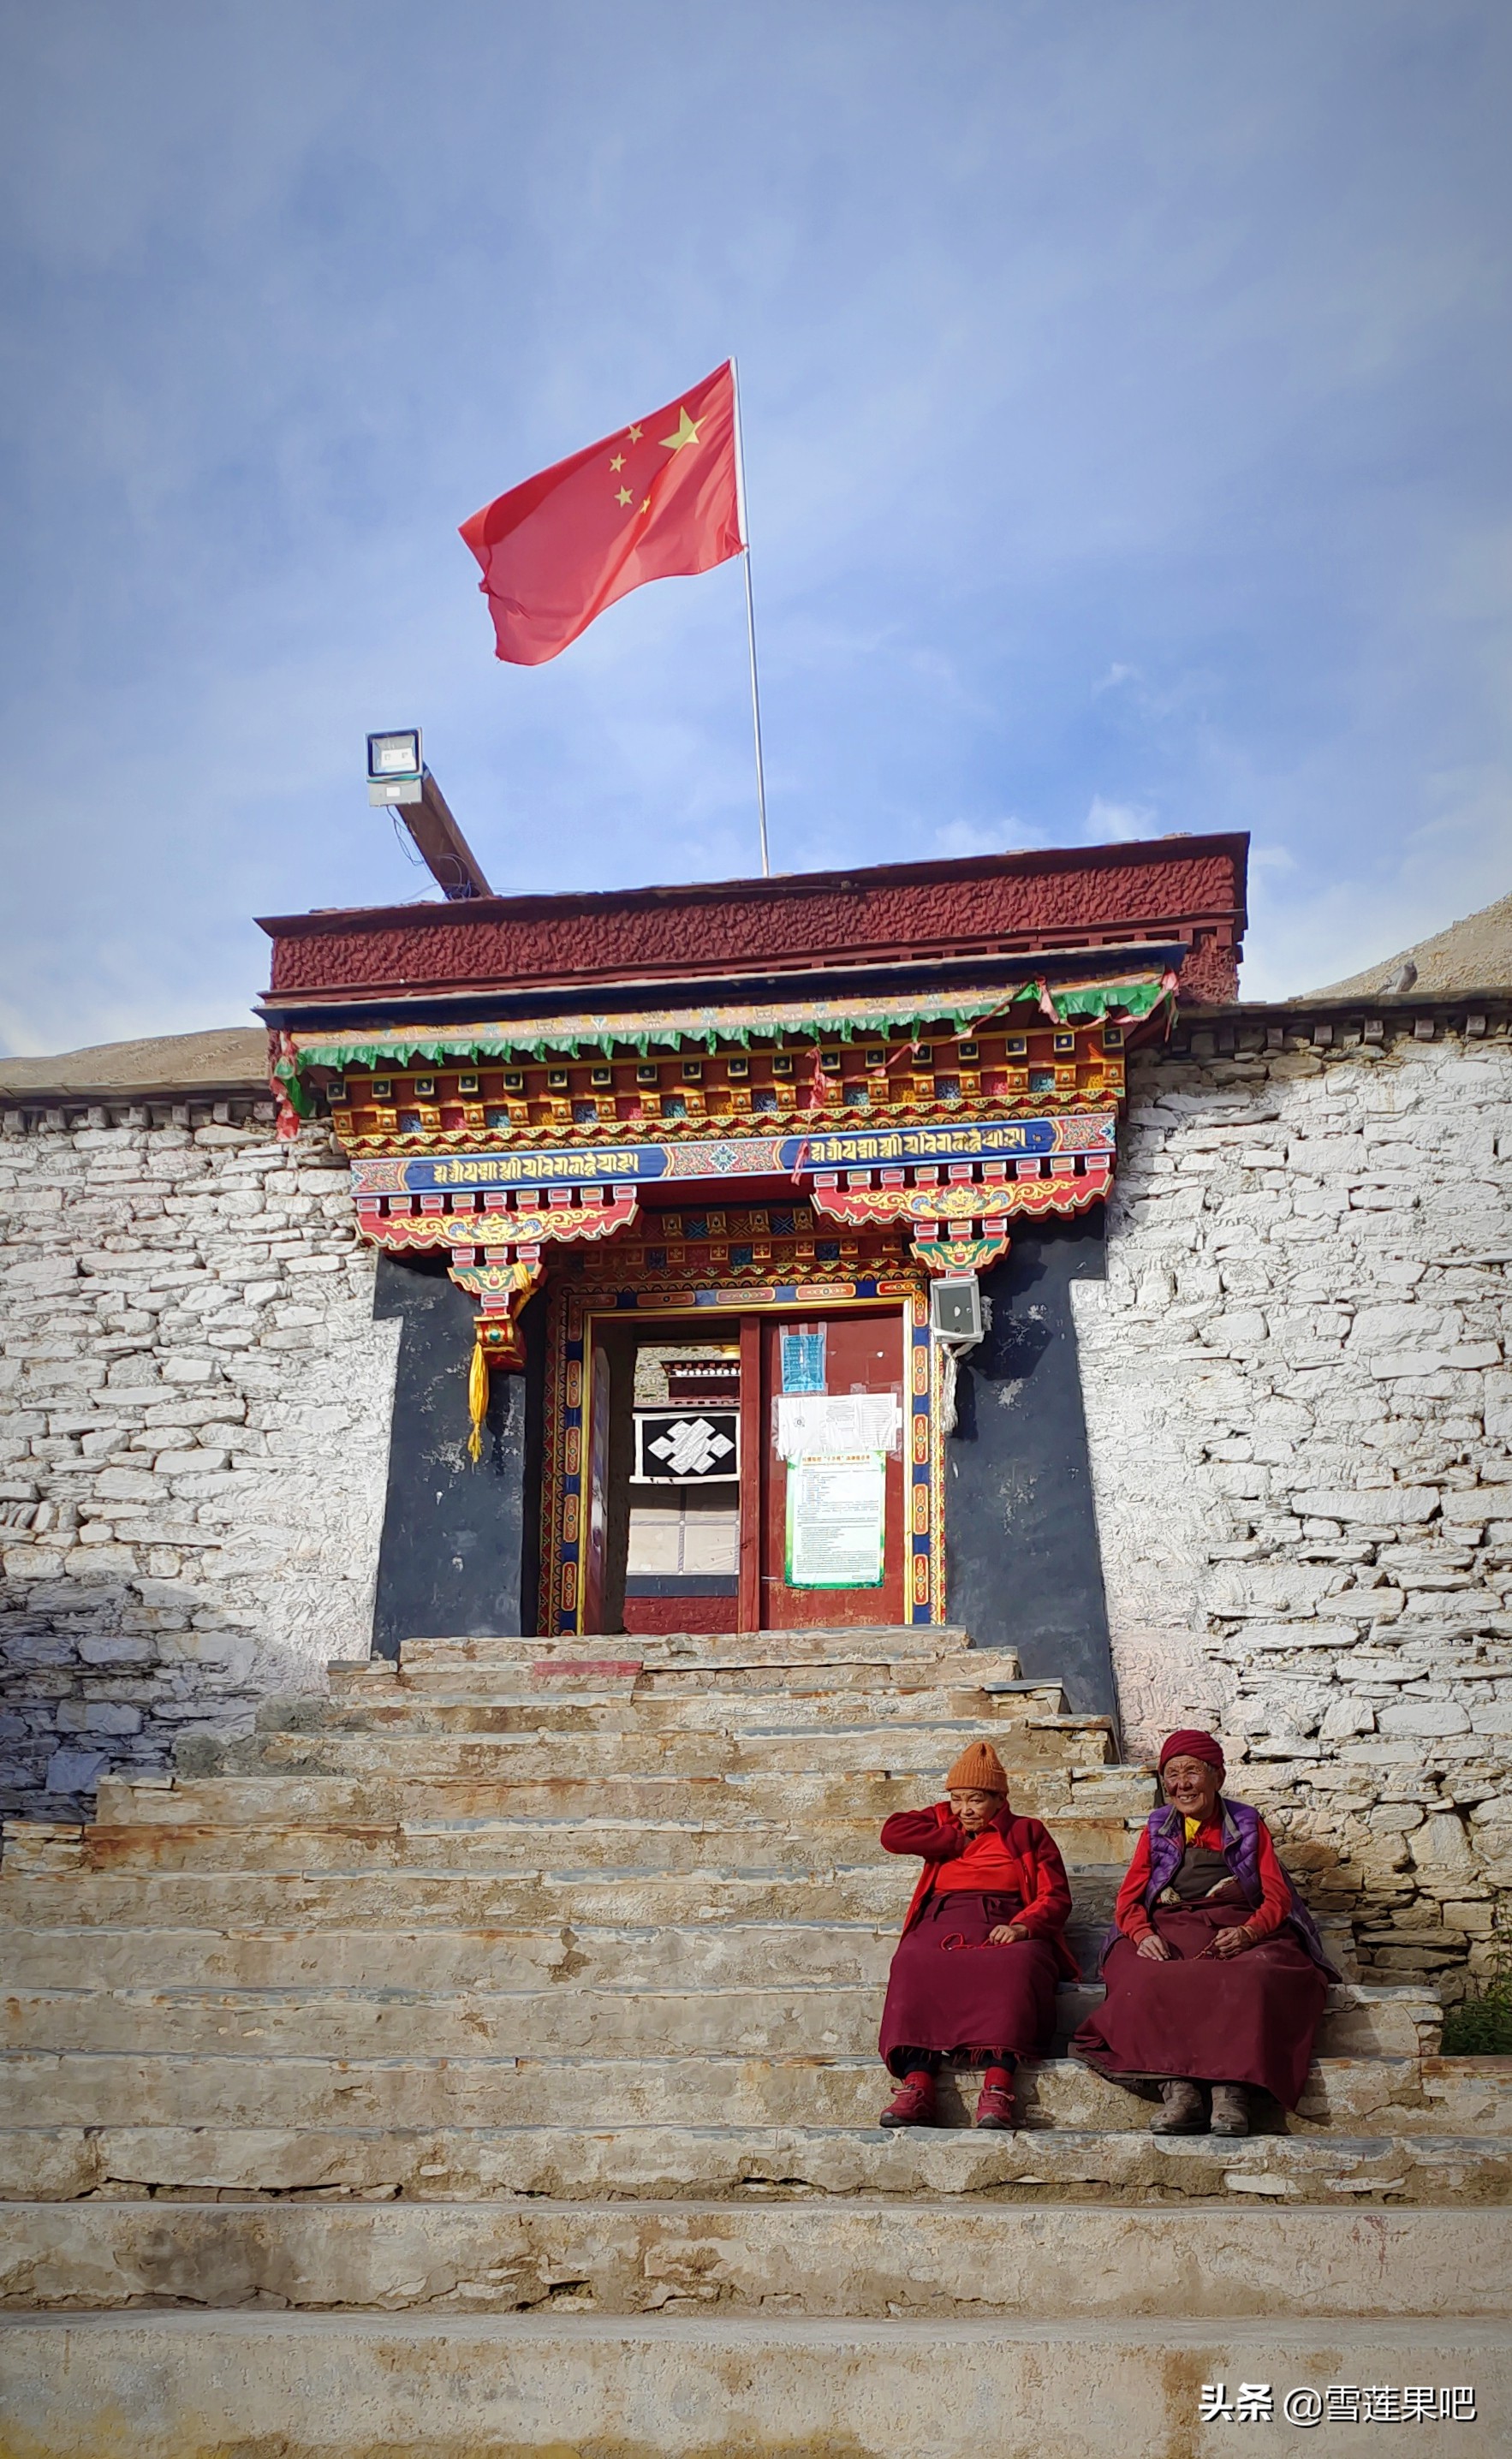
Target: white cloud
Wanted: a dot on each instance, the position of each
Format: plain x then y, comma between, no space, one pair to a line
1118,823
1068,351
18,1039
1309,927
979,836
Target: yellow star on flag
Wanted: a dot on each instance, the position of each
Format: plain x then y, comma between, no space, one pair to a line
618,463
634,433
686,434
646,505
625,496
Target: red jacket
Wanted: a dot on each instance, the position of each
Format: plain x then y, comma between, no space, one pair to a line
938,1834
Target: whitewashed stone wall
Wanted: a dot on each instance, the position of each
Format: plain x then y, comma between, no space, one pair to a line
1298,1403
194,1429
1301,1428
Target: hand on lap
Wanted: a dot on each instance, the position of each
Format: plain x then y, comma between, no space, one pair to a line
1155,1947
1232,1942
1006,1933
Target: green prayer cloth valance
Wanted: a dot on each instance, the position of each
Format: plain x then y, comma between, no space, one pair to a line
646,1029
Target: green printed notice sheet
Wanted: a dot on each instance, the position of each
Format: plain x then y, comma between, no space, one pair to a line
836,1520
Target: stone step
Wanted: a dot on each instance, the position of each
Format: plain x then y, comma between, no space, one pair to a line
875,1644
874,1892
302,1908
1362,2019
826,1945
816,1678
691,2384
591,1664
628,2018
1014,1717
576,1956
673,2162
70,1902
471,1845
855,2259
789,1802
325,2022
1357,2095
573,1957
925,1751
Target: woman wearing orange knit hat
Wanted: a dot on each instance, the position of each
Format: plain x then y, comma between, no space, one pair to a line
975,1971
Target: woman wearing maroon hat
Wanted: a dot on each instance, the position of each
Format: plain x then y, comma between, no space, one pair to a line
1205,1889
975,1971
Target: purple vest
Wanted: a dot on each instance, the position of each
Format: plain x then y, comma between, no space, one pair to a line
1241,1827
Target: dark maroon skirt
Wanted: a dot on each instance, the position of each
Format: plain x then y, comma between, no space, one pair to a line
1247,2018
949,1990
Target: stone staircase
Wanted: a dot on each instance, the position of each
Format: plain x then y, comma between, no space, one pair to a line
481,2060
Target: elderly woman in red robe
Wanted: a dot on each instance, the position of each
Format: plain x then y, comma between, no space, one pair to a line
975,1972
1215,1971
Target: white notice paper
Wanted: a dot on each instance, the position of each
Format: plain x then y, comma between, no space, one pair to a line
829,1424
836,1522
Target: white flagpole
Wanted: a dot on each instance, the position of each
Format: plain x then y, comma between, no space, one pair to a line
750,622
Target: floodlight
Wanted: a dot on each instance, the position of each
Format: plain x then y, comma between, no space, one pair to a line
396,768
956,1307
397,773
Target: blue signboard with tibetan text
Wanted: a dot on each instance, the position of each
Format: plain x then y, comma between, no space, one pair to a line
736,1156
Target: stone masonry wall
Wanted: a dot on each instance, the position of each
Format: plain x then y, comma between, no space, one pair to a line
194,1427
1300,1420
1298,1405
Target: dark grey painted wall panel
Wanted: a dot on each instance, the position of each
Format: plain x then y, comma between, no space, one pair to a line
1024,1565
460,1544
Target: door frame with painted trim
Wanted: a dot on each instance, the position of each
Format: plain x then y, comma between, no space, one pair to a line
574,1310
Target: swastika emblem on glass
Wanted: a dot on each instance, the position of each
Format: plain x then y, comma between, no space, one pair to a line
688,1448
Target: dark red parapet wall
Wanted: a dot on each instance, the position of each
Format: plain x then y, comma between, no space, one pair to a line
1187,888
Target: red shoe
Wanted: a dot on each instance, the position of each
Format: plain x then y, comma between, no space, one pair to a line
994,2107
913,2104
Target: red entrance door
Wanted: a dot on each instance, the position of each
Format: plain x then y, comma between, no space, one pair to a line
858,1351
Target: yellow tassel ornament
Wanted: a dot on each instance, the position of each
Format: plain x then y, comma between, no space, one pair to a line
477,1401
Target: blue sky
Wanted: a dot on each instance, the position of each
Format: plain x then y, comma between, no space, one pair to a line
1126,391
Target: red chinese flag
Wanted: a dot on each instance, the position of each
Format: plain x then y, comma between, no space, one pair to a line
656,498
